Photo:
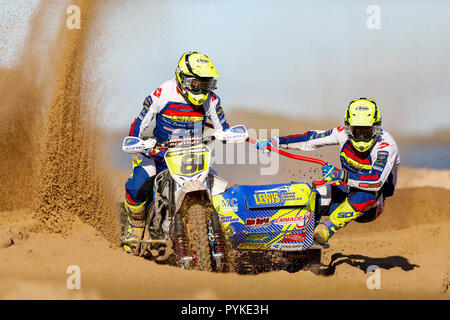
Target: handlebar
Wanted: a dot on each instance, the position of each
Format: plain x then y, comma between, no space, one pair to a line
296,157
208,139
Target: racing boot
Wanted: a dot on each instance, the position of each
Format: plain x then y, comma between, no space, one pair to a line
136,223
339,218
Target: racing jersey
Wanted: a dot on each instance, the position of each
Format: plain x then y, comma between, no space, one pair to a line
175,118
374,172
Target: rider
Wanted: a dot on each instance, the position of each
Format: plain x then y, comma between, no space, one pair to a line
180,107
370,161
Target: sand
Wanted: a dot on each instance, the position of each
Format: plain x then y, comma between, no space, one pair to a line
408,242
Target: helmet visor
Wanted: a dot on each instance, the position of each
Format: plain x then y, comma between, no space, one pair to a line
364,134
199,85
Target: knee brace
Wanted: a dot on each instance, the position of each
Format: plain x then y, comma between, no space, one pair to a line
343,214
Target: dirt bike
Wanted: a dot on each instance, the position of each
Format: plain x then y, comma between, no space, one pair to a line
181,223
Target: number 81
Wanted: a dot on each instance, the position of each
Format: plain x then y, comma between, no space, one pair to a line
192,163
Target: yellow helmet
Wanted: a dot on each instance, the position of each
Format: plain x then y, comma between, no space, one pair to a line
363,123
195,77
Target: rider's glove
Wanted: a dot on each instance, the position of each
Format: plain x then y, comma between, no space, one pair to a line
263,143
331,173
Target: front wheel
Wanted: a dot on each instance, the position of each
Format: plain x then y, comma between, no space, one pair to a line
198,245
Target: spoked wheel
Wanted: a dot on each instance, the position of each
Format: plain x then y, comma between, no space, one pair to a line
198,236
198,245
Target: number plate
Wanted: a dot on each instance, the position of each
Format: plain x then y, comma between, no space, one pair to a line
188,161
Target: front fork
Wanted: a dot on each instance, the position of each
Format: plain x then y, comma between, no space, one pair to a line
180,243
215,237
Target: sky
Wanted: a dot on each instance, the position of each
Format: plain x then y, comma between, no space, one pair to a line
302,59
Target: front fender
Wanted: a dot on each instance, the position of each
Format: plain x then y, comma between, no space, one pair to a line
188,187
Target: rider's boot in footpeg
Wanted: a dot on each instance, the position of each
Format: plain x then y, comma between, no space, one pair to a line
136,223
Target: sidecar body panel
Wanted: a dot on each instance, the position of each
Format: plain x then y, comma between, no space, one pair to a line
268,217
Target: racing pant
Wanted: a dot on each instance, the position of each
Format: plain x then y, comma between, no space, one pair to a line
139,189
348,204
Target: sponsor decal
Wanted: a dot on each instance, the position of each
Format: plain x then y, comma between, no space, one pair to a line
176,140
370,185
252,245
377,168
178,132
143,113
362,108
287,246
380,163
173,152
189,119
201,60
352,164
370,177
294,237
238,129
320,135
229,205
296,135
267,198
228,219
344,215
131,141
258,222
383,145
300,221
289,220
157,92
257,237
234,136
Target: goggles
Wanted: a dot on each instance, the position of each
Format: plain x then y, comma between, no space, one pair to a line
199,85
363,134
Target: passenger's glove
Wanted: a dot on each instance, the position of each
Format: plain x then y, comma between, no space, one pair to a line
331,173
263,143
